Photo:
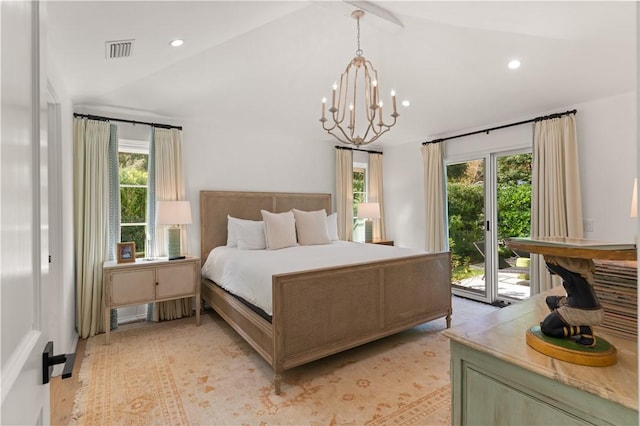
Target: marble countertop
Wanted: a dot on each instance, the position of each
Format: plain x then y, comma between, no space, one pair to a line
501,334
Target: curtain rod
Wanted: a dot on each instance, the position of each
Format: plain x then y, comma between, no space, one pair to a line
358,149
545,117
101,118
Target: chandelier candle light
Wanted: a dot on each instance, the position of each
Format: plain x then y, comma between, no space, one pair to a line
359,73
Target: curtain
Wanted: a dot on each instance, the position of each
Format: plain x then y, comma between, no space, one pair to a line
344,193
434,195
114,204
93,214
114,192
375,193
151,199
556,202
168,185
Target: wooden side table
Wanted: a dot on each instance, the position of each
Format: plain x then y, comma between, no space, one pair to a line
147,281
575,313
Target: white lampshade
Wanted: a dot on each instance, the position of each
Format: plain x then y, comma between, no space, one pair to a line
173,213
634,199
368,211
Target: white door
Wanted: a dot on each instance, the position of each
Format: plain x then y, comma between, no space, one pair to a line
23,216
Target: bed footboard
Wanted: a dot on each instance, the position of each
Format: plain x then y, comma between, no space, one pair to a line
325,311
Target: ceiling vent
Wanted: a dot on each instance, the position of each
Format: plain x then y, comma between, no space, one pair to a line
118,49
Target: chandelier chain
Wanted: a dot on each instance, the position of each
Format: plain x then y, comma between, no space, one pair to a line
359,51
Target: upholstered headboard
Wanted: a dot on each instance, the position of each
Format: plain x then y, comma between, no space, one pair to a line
216,205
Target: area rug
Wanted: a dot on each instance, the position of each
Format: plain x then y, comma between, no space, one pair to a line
175,373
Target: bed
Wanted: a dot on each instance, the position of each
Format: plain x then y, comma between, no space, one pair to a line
313,313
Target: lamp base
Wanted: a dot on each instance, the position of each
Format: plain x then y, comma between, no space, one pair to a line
368,231
173,242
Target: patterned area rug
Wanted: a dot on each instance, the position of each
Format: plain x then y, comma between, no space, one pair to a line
176,373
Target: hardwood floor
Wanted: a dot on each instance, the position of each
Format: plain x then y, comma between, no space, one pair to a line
63,391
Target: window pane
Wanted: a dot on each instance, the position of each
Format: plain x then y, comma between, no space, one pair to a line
465,206
133,198
133,205
359,196
133,168
136,234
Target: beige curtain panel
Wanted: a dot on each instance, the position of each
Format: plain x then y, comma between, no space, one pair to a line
376,194
91,219
556,201
344,193
434,196
170,186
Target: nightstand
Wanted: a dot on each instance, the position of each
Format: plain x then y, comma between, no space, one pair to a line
382,242
145,281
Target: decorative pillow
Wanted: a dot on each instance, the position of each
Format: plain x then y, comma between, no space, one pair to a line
311,227
279,229
332,226
250,231
232,240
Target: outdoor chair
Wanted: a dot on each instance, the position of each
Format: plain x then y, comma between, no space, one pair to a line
503,265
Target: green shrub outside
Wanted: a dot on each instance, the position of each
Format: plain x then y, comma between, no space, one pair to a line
133,199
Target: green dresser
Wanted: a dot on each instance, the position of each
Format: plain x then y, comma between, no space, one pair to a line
497,379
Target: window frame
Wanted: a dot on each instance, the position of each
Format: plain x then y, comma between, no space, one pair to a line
358,224
132,146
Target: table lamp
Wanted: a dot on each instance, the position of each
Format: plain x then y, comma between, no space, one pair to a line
368,211
174,214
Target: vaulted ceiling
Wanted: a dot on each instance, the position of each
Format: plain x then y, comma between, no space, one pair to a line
278,59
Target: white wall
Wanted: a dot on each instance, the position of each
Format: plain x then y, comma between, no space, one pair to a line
607,135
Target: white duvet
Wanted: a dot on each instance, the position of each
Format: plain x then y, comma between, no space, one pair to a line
247,273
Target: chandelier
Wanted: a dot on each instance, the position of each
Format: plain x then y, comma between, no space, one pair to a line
364,124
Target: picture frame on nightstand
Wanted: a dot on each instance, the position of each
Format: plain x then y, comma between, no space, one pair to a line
126,252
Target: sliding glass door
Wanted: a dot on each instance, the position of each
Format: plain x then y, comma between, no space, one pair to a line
466,212
513,219
488,201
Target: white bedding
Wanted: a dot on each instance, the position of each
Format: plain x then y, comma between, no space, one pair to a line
247,273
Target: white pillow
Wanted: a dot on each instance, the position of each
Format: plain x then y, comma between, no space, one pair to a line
279,229
311,227
250,235
232,240
332,226
249,230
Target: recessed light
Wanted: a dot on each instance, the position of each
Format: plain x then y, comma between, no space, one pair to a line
514,64
406,103
177,42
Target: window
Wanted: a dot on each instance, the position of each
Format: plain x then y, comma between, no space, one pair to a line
360,175
133,158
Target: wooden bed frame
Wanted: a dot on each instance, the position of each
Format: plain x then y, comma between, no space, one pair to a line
323,311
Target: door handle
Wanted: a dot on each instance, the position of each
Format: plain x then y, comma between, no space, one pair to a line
49,360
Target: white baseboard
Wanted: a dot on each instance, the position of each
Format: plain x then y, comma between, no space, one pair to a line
57,369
